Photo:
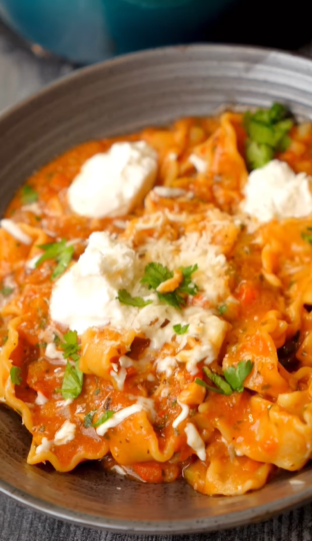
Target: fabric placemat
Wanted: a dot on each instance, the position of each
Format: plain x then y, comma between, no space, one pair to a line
18,523
22,74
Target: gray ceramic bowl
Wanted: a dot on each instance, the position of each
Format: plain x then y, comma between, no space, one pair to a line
121,96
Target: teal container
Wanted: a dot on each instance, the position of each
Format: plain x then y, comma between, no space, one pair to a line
86,31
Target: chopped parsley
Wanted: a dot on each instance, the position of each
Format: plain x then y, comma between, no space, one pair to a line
124,297
221,386
307,235
88,419
28,195
72,381
96,392
235,376
232,381
73,377
156,273
107,415
267,133
6,291
222,309
16,375
70,346
58,251
180,329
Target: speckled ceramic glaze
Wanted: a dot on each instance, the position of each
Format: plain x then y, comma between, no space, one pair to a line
121,96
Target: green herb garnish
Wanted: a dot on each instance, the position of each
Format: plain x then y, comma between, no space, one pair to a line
88,419
202,383
125,298
16,375
222,309
107,415
72,381
70,346
232,381
28,195
235,376
73,377
156,273
307,235
180,329
267,133
60,252
6,291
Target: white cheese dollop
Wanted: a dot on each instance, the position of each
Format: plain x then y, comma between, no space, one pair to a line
65,434
112,183
86,295
118,418
15,231
195,441
275,191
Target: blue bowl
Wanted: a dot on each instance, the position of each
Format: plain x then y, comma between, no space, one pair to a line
87,31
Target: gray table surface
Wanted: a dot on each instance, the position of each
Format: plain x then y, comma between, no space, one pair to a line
22,74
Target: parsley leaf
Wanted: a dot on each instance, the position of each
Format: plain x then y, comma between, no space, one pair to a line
222,309
88,419
6,291
277,112
107,415
267,133
70,346
72,381
187,285
219,382
180,329
28,195
258,155
233,380
235,376
156,273
125,298
60,252
208,387
307,235
16,375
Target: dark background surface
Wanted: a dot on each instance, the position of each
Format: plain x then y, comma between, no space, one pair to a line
18,523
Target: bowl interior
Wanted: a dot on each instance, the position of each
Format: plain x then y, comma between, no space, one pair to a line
122,96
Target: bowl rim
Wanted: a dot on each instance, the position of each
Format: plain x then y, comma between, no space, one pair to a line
152,53
260,513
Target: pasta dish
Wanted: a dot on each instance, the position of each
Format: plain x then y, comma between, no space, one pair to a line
156,303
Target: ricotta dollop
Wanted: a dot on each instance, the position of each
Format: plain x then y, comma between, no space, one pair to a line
112,183
275,191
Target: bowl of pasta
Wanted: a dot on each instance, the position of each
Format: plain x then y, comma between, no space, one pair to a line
156,293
